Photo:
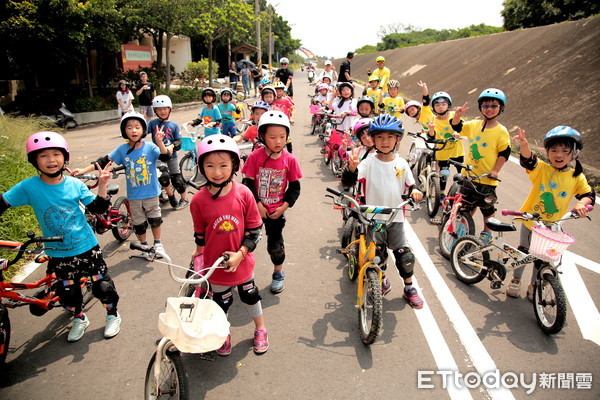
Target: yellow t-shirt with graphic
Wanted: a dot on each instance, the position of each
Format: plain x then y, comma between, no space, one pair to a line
552,191
384,77
376,95
393,105
443,130
483,147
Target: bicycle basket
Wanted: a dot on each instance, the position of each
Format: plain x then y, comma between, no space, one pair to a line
548,245
314,108
194,325
188,144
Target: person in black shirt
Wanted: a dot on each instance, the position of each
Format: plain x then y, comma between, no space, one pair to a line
345,69
285,75
145,92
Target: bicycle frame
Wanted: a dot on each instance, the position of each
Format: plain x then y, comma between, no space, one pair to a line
366,255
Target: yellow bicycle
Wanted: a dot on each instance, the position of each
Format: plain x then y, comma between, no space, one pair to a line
367,258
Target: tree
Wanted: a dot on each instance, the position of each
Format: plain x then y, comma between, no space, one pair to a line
529,13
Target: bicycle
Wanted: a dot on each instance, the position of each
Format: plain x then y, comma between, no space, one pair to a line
187,164
472,261
242,119
462,200
190,325
336,148
117,217
44,299
367,260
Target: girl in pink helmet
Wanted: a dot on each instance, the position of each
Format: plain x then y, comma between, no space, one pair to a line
226,220
56,199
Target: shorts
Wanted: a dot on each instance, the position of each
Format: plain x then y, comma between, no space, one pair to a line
172,165
149,111
89,263
486,209
143,209
229,129
393,237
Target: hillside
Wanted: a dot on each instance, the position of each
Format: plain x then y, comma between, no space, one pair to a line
549,74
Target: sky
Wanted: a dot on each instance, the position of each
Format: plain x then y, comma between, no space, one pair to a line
331,28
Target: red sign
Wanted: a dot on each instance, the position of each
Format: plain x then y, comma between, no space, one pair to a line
134,56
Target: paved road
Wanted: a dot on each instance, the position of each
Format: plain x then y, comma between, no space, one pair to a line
315,349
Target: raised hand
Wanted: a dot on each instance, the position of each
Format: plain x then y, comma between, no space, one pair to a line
105,173
523,143
460,111
159,135
354,159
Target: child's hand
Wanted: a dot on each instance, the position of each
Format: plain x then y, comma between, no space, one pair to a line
77,171
459,111
424,87
278,212
198,252
159,135
235,258
262,210
105,173
354,160
581,209
520,138
416,195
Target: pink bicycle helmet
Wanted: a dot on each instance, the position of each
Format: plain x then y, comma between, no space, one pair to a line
45,140
214,143
322,86
412,103
361,125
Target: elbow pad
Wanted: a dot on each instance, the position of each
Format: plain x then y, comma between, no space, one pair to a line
99,205
249,183
3,204
292,193
349,178
426,100
177,145
199,239
591,195
458,127
102,161
528,163
165,157
505,153
252,237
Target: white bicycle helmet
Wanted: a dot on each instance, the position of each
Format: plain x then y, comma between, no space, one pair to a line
162,101
273,118
284,60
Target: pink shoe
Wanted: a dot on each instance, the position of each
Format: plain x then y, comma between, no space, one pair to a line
261,342
225,350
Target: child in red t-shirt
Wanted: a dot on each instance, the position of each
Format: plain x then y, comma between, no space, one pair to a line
251,134
226,220
273,175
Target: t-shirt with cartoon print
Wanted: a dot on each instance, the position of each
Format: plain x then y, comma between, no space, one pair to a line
484,147
140,169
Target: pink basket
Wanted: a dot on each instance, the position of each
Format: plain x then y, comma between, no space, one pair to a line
315,108
548,245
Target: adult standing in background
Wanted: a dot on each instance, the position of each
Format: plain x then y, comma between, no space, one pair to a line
285,75
382,72
329,72
124,98
145,92
345,69
256,77
234,77
245,73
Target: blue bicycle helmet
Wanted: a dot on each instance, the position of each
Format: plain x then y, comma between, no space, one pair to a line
260,104
441,95
563,132
492,94
386,123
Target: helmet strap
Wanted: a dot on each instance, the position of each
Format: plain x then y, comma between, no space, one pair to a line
133,147
218,185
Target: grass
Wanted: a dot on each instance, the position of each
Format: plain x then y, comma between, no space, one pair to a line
16,222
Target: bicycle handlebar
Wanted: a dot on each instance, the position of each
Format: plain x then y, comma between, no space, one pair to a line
32,239
433,142
469,168
536,216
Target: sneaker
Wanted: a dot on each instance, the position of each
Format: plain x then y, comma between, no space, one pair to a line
442,198
413,297
173,201
277,284
113,326
183,203
386,286
485,237
78,329
159,249
530,289
514,288
261,341
225,350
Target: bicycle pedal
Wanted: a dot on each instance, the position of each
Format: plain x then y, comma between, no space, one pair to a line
342,251
337,207
435,221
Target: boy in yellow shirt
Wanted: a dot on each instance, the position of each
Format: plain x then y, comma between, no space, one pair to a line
392,103
373,91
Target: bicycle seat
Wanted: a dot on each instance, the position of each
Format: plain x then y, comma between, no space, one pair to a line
459,178
112,189
498,226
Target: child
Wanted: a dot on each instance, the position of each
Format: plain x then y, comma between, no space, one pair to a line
386,178
210,115
322,97
273,175
441,129
392,103
143,188
489,147
344,106
553,186
226,220
417,116
169,171
365,107
284,104
227,108
361,132
258,109
56,200
373,90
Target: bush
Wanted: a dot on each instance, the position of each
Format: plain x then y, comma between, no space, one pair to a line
197,70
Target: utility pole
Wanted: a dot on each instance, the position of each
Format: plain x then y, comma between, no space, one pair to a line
257,25
270,36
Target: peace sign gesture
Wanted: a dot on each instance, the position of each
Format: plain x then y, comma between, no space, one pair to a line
523,143
159,133
103,178
354,159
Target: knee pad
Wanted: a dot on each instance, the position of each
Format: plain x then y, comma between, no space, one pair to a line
277,254
104,289
249,293
224,299
178,182
70,295
163,179
141,228
405,261
155,222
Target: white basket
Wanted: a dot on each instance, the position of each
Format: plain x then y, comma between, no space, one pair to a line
194,325
548,245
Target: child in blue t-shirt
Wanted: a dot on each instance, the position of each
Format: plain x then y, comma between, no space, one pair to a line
56,199
209,116
227,108
143,189
169,171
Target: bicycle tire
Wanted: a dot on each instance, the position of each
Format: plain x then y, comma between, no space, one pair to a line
187,167
421,166
466,273
173,380
4,336
352,255
411,156
124,227
433,195
335,164
551,298
464,225
370,313
240,124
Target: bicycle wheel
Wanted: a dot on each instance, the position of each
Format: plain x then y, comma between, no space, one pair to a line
240,96
468,248
350,234
335,164
172,382
370,313
411,157
241,123
187,166
433,196
4,336
549,304
123,228
463,225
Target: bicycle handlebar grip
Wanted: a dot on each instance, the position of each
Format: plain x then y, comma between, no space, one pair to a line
513,213
334,191
589,207
52,239
87,176
119,168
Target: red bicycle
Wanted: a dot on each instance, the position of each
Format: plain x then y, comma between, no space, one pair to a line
44,299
